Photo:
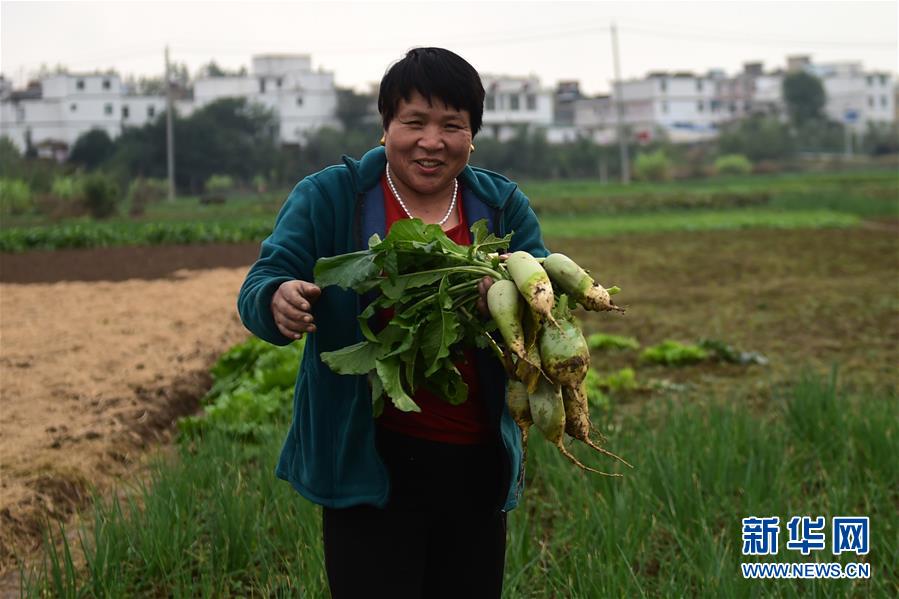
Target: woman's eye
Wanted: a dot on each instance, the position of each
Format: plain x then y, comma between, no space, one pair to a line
453,126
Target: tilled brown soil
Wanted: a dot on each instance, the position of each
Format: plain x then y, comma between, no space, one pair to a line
101,351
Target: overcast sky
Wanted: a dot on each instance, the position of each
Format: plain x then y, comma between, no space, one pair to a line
359,40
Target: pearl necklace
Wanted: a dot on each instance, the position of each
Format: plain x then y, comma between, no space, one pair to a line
396,194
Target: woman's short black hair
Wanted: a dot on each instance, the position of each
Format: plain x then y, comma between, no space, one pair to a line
434,73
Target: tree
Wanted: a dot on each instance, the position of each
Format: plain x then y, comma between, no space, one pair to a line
10,158
805,97
155,86
91,149
758,138
354,110
212,69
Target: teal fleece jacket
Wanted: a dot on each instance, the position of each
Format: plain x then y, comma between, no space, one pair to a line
329,455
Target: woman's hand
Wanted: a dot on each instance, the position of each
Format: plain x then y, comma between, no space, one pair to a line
292,308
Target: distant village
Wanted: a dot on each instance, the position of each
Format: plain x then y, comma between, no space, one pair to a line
683,107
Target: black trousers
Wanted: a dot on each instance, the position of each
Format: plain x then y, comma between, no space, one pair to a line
440,535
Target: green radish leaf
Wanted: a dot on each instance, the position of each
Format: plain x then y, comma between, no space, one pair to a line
479,232
389,373
394,340
363,319
441,331
443,296
448,384
354,359
397,287
347,270
377,394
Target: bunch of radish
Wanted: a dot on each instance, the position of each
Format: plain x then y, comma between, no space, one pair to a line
431,286
546,354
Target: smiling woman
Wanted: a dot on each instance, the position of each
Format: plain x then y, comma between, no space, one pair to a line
414,503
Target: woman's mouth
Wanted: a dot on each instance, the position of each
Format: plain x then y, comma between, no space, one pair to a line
429,165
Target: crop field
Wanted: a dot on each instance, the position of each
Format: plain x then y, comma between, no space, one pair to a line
779,400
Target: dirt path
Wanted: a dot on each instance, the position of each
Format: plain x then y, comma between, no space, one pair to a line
95,372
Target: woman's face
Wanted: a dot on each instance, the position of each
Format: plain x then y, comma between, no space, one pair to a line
427,146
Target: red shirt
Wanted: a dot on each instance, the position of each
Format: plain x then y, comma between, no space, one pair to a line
438,420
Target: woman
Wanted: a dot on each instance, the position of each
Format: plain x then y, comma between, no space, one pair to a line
414,504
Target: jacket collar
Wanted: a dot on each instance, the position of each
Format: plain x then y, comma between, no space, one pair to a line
494,190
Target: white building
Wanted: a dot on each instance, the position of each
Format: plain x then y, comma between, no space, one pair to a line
513,102
682,106
61,108
303,100
57,110
855,97
595,119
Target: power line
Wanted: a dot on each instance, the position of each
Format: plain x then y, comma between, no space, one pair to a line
734,38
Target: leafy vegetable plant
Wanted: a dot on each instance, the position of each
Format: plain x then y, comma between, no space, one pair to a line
430,284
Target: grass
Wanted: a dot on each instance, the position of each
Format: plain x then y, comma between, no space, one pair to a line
216,522
567,208
589,225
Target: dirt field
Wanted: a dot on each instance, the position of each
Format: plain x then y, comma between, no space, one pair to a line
97,366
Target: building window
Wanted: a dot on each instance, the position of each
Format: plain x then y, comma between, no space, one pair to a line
299,100
733,107
79,84
870,102
151,111
532,101
262,86
73,107
490,102
663,84
125,112
699,85
665,107
278,82
883,101
514,102
700,106
106,84
107,109
20,113
883,80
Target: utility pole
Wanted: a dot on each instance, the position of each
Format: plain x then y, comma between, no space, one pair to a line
619,110
169,132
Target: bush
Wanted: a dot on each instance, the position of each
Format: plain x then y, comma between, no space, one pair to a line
143,191
15,197
68,189
217,184
653,166
101,195
733,164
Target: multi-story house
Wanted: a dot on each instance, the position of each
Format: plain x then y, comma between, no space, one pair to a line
681,106
750,92
302,99
856,97
514,102
595,119
58,109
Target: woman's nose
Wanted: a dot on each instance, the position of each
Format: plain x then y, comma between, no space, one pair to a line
431,139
